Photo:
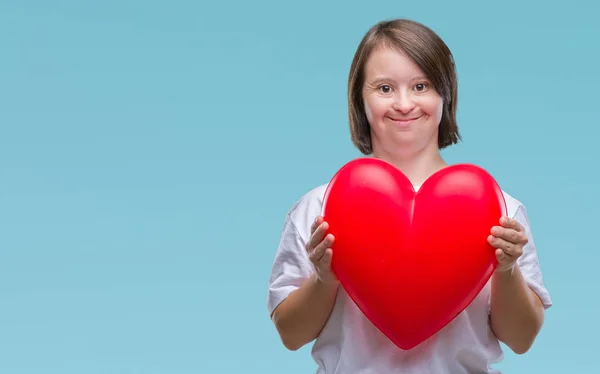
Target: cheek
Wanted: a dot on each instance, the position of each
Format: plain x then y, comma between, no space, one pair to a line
368,111
374,110
435,107
439,111
371,110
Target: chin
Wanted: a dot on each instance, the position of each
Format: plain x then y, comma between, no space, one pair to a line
406,138
402,143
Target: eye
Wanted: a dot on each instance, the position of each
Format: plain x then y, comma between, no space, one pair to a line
385,88
421,87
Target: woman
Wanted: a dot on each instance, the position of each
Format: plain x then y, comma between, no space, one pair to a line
402,107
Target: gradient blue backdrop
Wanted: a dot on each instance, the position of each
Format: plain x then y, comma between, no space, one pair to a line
150,150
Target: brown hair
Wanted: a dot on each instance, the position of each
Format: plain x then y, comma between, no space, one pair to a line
428,51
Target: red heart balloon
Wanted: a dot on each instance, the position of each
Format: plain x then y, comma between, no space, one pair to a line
412,261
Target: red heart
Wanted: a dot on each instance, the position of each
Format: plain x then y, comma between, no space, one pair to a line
412,261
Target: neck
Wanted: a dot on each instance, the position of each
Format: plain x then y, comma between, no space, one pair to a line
417,166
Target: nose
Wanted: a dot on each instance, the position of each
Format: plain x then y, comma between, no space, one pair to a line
403,103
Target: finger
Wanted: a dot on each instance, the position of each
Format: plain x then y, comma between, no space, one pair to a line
509,249
504,262
325,261
317,236
503,259
317,254
510,235
318,220
511,223
500,256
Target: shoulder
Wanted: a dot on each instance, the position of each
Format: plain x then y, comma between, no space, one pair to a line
513,205
517,210
307,208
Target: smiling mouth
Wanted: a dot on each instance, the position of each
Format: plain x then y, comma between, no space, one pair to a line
404,122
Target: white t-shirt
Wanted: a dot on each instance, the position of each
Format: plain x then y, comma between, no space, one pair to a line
350,344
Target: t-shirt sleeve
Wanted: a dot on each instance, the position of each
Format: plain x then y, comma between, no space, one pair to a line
529,262
291,266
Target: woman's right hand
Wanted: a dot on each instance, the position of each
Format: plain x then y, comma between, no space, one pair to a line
320,252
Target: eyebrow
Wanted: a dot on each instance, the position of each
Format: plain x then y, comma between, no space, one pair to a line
383,79
379,80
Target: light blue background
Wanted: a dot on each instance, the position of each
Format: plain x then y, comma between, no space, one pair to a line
150,150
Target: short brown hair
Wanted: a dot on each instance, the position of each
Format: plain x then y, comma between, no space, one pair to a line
429,52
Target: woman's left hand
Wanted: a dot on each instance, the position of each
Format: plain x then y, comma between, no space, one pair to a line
509,239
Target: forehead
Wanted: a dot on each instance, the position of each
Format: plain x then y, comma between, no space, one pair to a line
390,62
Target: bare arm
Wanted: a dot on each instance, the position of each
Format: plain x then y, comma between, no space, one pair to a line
300,318
517,313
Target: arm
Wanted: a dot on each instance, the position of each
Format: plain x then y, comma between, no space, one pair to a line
301,316
518,297
304,287
517,313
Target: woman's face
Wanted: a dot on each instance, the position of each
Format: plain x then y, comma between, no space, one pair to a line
402,107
